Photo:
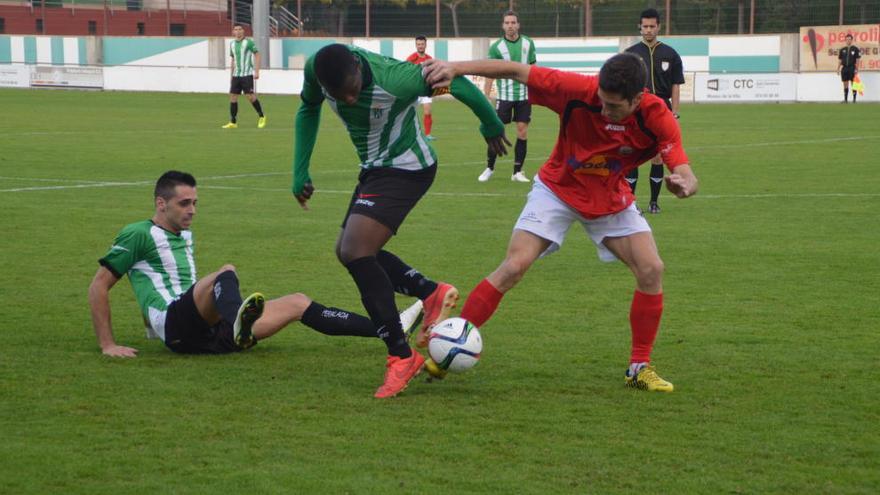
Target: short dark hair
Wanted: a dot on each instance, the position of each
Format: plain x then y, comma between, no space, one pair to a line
848,35
510,12
334,64
650,14
170,180
421,38
238,25
623,74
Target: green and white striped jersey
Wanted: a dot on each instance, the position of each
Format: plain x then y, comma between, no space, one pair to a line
384,123
160,267
522,50
242,53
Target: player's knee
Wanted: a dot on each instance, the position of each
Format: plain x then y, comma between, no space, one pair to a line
296,304
229,267
651,273
513,269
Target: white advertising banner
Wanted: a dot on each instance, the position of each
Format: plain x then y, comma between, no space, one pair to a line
745,87
67,77
14,76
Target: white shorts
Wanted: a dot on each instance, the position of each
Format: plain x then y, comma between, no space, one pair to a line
424,100
548,217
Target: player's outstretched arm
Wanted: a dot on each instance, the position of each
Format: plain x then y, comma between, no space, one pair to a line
491,126
682,182
308,118
99,301
439,73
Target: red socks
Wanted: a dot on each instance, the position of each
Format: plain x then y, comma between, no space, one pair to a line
644,319
481,303
428,122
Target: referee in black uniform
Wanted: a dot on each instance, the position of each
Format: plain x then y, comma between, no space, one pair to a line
665,75
848,66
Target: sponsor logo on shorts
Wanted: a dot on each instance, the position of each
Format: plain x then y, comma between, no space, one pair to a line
365,202
530,216
615,127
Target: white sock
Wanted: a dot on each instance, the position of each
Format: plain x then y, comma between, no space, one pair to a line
634,368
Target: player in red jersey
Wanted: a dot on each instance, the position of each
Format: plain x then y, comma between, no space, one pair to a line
608,125
417,57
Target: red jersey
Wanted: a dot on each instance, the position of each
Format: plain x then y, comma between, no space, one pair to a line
588,167
417,59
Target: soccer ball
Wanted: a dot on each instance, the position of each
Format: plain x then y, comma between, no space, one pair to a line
455,344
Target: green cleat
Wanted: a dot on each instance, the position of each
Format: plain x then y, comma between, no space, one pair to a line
231,125
261,122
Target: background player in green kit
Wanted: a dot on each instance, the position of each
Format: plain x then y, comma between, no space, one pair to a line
198,316
245,69
512,98
377,98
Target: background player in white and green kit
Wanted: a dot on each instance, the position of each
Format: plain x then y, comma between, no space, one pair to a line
512,97
377,98
191,315
244,66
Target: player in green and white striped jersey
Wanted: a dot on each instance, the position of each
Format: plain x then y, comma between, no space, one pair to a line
244,67
377,97
193,315
512,97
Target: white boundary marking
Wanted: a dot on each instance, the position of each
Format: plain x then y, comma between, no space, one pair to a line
84,183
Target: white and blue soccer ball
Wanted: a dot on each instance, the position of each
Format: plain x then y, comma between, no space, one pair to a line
455,344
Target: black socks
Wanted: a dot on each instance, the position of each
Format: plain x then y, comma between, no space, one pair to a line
227,298
405,279
377,295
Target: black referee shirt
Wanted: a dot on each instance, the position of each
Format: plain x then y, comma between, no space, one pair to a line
849,56
664,67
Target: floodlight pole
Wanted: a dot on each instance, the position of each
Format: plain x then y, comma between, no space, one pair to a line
588,18
437,18
668,15
367,7
260,25
752,18
840,19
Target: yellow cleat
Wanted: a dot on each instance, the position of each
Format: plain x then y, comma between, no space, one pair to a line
261,123
648,379
435,372
231,125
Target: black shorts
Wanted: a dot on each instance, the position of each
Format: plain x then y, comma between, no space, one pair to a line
243,84
187,333
387,195
521,110
847,73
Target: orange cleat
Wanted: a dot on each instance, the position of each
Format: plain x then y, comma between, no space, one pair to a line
398,373
437,308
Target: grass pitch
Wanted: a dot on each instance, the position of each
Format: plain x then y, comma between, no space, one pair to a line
769,332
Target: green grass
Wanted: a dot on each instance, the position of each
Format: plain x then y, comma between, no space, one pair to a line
769,333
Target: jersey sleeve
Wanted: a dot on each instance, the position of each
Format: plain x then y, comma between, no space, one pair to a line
677,70
464,91
125,252
533,57
494,52
402,79
858,53
668,137
252,46
308,119
553,88
412,57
